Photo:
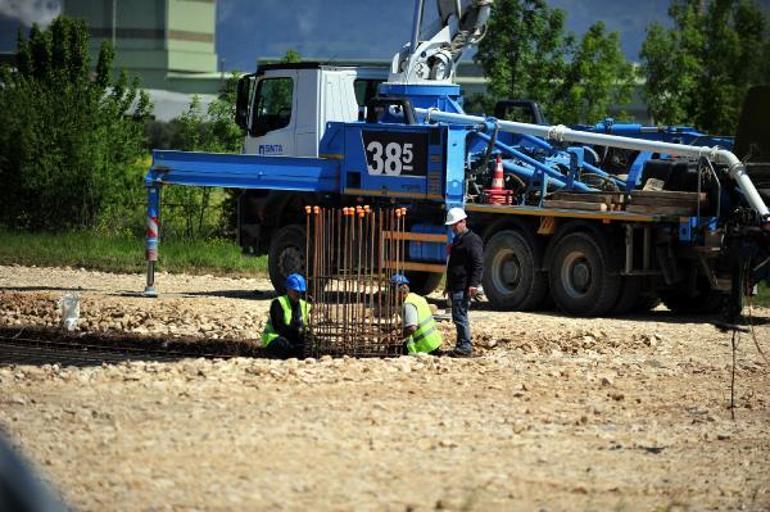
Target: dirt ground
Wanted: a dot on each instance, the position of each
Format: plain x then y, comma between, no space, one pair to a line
556,413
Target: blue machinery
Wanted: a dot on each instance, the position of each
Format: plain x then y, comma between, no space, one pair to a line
427,160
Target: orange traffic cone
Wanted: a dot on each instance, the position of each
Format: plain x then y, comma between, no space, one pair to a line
498,178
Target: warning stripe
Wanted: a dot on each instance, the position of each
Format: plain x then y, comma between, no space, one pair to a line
152,227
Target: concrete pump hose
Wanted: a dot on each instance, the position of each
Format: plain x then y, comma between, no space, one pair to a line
561,133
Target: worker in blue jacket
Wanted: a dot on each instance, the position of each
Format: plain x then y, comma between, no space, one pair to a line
284,333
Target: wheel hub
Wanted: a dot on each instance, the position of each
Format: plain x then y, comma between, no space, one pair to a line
508,274
576,274
581,275
291,261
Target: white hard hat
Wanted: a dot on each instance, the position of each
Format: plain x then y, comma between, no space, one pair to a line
455,215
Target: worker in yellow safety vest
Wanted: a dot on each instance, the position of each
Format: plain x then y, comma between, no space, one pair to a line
284,333
420,332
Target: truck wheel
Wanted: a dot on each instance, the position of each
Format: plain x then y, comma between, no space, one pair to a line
583,281
423,283
630,291
511,278
286,255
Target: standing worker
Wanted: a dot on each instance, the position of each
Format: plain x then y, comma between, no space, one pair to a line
420,333
463,276
284,333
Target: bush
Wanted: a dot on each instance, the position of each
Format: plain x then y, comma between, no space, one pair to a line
203,212
68,146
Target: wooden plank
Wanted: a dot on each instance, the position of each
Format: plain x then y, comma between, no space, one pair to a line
589,197
661,202
419,237
536,211
660,210
668,199
574,205
669,194
413,265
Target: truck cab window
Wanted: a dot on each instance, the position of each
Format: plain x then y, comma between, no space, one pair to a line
273,102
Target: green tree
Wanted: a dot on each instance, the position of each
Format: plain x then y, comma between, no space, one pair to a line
527,54
199,212
69,141
698,71
291,56
598,76
524,51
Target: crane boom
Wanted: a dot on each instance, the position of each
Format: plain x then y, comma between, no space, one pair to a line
432,54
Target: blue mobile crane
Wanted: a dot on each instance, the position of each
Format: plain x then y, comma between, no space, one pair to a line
603,219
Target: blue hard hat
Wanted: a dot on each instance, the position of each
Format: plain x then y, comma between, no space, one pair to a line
296,282
398,279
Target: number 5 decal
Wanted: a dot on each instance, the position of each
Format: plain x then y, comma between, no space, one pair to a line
408,156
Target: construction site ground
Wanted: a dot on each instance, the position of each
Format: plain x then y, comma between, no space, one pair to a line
555,413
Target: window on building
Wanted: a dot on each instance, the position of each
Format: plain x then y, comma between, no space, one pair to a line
273,102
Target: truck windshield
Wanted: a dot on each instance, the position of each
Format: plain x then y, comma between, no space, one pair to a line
273,103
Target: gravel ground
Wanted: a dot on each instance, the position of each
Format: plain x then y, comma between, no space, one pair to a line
556,413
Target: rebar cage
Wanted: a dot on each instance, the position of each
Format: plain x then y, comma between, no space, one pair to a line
351,254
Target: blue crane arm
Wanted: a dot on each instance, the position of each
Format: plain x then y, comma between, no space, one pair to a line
244,171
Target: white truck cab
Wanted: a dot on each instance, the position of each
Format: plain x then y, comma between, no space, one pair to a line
284,108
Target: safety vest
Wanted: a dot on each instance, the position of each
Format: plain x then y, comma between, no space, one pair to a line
426,338
269,334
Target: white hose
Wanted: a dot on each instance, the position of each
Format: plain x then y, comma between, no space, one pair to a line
561,133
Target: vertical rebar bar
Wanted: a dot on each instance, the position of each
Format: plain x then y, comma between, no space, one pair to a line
379,215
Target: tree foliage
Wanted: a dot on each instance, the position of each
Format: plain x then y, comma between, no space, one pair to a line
69,140
524,50
291,56
698,71
598,76
195,212
527,54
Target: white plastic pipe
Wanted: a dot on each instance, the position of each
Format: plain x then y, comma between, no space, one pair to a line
561,133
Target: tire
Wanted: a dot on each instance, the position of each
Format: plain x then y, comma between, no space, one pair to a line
630,291
703,301
423,283
583,279
286,255
511,279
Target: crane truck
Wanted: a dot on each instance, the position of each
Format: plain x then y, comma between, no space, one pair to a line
599,220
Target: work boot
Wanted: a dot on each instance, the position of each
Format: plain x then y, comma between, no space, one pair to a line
462,352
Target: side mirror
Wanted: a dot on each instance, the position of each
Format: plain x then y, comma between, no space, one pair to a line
242,101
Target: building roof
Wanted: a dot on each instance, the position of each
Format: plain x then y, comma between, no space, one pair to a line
169,105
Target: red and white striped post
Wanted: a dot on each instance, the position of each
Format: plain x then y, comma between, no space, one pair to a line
152,238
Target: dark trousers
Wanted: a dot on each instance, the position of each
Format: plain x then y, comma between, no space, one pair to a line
460,303
283,348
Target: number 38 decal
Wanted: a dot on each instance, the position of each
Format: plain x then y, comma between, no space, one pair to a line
395,153
393,159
